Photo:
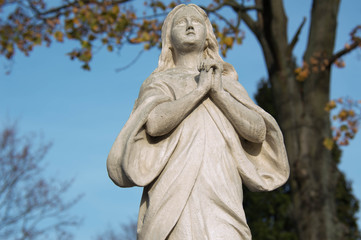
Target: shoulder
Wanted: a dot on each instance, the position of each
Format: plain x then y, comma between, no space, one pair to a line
156,85
157,78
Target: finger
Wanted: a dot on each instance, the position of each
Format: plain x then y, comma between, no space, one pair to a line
220,67
208,67
199,67
210,71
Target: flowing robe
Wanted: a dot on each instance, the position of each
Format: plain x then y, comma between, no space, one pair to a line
192,176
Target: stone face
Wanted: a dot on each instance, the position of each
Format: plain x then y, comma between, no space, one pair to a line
193,138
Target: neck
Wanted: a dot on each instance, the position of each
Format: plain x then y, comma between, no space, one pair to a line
189,60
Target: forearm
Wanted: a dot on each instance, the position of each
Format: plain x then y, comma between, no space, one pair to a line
249,124
166,116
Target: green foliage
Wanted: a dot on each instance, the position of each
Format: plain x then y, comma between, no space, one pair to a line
264,97
268,213
346,203
347,207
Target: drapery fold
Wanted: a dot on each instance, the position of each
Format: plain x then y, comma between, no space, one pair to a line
169,166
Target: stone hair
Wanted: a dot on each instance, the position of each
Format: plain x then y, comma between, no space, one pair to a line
211,49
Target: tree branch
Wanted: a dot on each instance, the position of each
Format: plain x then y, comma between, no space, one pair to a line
240,9
242,13
344,51
226,21
295,37
131,63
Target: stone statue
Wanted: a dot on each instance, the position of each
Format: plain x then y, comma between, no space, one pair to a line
193,137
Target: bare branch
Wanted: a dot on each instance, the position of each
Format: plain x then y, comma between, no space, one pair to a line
131,63
214,9
226,21
241,11
344,51
296,36
28,201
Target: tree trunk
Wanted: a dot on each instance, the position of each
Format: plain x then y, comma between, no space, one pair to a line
301,115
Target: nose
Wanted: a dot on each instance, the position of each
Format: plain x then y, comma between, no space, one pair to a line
189,25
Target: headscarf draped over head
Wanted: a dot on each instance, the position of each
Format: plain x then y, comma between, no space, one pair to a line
211,49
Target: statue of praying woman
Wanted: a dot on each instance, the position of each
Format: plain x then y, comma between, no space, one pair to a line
193,138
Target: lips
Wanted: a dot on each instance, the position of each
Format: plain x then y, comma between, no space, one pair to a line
189,32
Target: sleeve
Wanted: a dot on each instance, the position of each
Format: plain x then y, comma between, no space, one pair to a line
135,158
264,166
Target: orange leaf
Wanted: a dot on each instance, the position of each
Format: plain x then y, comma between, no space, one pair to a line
59,36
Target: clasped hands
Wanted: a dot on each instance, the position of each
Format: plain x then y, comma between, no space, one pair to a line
210,77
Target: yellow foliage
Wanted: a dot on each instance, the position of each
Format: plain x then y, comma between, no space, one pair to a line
330,105
343,115
59,36
115,9
147,46
301,76
228,41
328,143
145,36
76,21
298,70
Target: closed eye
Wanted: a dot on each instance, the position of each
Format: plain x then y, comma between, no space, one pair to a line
196,20
180,22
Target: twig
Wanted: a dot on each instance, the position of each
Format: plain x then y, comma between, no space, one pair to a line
241,13
131,63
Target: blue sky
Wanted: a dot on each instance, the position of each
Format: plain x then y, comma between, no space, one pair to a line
82,112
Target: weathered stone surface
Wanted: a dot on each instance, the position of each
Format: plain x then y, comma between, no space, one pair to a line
193,138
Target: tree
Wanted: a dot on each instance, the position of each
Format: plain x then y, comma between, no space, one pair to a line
300,92
31,206
113,23
268,214
126,231
300,104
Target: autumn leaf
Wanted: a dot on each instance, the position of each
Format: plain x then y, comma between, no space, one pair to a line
86,66
330,105
228,41
115,9
85,56
147,46
59,36
328,143
347,119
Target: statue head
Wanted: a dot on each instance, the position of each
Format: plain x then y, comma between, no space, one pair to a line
210,47
188,32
